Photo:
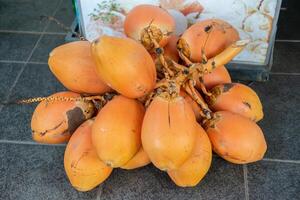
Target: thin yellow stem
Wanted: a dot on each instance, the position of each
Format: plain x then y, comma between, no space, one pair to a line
160,53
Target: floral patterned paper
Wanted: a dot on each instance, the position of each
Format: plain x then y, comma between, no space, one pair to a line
252,18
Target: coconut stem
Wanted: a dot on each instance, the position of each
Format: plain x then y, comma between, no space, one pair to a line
102,98
189,88
203,88
65,99
160,53
224,57
185,59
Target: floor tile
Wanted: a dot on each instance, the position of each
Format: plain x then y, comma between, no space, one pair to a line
65,15
45,46
36,80
280,97
15,122
15,46
37,172
8,74
224,181
286,57
273,180
3,170
25,15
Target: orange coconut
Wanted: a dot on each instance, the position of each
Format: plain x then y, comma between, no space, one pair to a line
117,131
83,167
170,50
168,132
218,76
195,168
140,17
194,7
74,67
140,159
235,138
124,65
236,98
54,121
209,36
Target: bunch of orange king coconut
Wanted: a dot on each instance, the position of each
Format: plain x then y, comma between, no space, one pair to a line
152,97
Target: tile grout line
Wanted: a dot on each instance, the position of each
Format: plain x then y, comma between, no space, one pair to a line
29,57
281,160
21,62
28,143
21,71
245,170
285,73
33,32
12,61
244,166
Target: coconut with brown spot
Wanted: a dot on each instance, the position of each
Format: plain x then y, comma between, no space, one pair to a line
207,39
237,98
235,138
54,121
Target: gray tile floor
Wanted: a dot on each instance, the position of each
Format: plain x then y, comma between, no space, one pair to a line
32,171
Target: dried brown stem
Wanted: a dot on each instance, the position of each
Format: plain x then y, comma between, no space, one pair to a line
103,99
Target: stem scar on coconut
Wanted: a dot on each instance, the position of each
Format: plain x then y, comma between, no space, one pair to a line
56,117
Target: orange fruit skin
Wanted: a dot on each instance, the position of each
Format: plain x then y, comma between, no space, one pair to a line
170,50
54,122
116,132
82,165
192,8
141,16
218,76
194,105
124,65
140,159
236,139
196,167
73,65
237,98
168,132
212,35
